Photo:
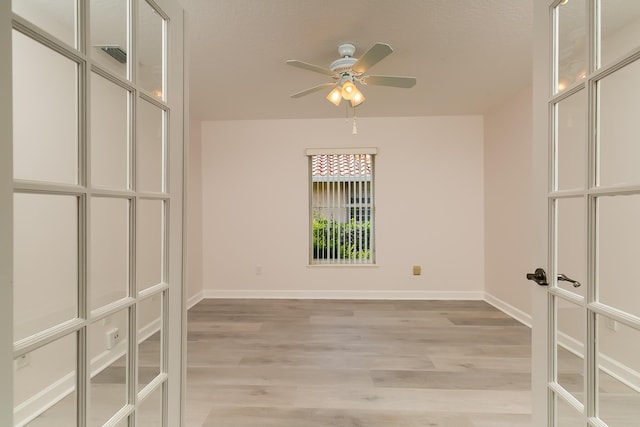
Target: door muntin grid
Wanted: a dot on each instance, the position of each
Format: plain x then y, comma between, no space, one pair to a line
95,316
591,339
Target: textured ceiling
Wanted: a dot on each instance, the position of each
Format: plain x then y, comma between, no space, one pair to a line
467,55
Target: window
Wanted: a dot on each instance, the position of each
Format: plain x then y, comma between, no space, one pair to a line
342,210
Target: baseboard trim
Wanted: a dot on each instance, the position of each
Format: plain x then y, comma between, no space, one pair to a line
508,309
622,373
149,329
31,408
345,295
193,300
617,370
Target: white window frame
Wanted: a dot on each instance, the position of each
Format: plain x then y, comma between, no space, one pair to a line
342,187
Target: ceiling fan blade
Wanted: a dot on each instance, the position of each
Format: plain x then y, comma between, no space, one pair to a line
394,81
312,89
375,54
310,67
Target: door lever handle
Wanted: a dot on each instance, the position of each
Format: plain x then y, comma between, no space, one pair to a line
539,276
565,278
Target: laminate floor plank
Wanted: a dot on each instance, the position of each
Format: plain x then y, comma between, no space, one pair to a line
351,361
278,376
450,380
499,364
311,417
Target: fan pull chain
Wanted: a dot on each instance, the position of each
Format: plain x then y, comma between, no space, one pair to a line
355,128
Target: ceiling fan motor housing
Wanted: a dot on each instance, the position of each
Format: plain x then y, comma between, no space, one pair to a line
343,64
346,49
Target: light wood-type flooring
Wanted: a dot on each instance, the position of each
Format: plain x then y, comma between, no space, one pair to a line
328,363
279,363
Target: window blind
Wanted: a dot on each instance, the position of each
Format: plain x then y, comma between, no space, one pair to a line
342,208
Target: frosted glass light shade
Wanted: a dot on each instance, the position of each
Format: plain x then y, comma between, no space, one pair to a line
358,99
348,90
335,96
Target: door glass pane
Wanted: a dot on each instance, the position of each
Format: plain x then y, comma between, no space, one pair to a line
45,262
571,240
567,415
150,412
149,339
149,259
571,145
109,34
620,22
150,50
57,17
45,113
150,142
618,373
572,47
109,134
109,243
618,244
108,344
570,347
51,368
619,127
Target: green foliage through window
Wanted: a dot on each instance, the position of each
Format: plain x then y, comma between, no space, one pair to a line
333,240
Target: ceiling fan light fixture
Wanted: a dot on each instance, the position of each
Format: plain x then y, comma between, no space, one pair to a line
335,96
358,99
348,90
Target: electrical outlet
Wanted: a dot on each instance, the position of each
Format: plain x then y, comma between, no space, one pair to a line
258,270
417,270
113,338
22,362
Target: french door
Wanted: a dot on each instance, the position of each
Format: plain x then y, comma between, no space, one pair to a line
587,149
97,212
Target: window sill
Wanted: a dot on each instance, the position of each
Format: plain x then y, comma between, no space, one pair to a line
342,265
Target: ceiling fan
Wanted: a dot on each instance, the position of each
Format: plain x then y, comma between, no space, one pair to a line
347,71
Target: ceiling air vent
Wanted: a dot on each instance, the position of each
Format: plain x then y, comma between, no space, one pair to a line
115,52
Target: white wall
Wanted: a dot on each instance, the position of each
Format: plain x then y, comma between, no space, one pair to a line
429,208
55,160
194,215
507,206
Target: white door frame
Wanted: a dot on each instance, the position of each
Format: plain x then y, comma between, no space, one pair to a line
539,156
177,182
6,218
